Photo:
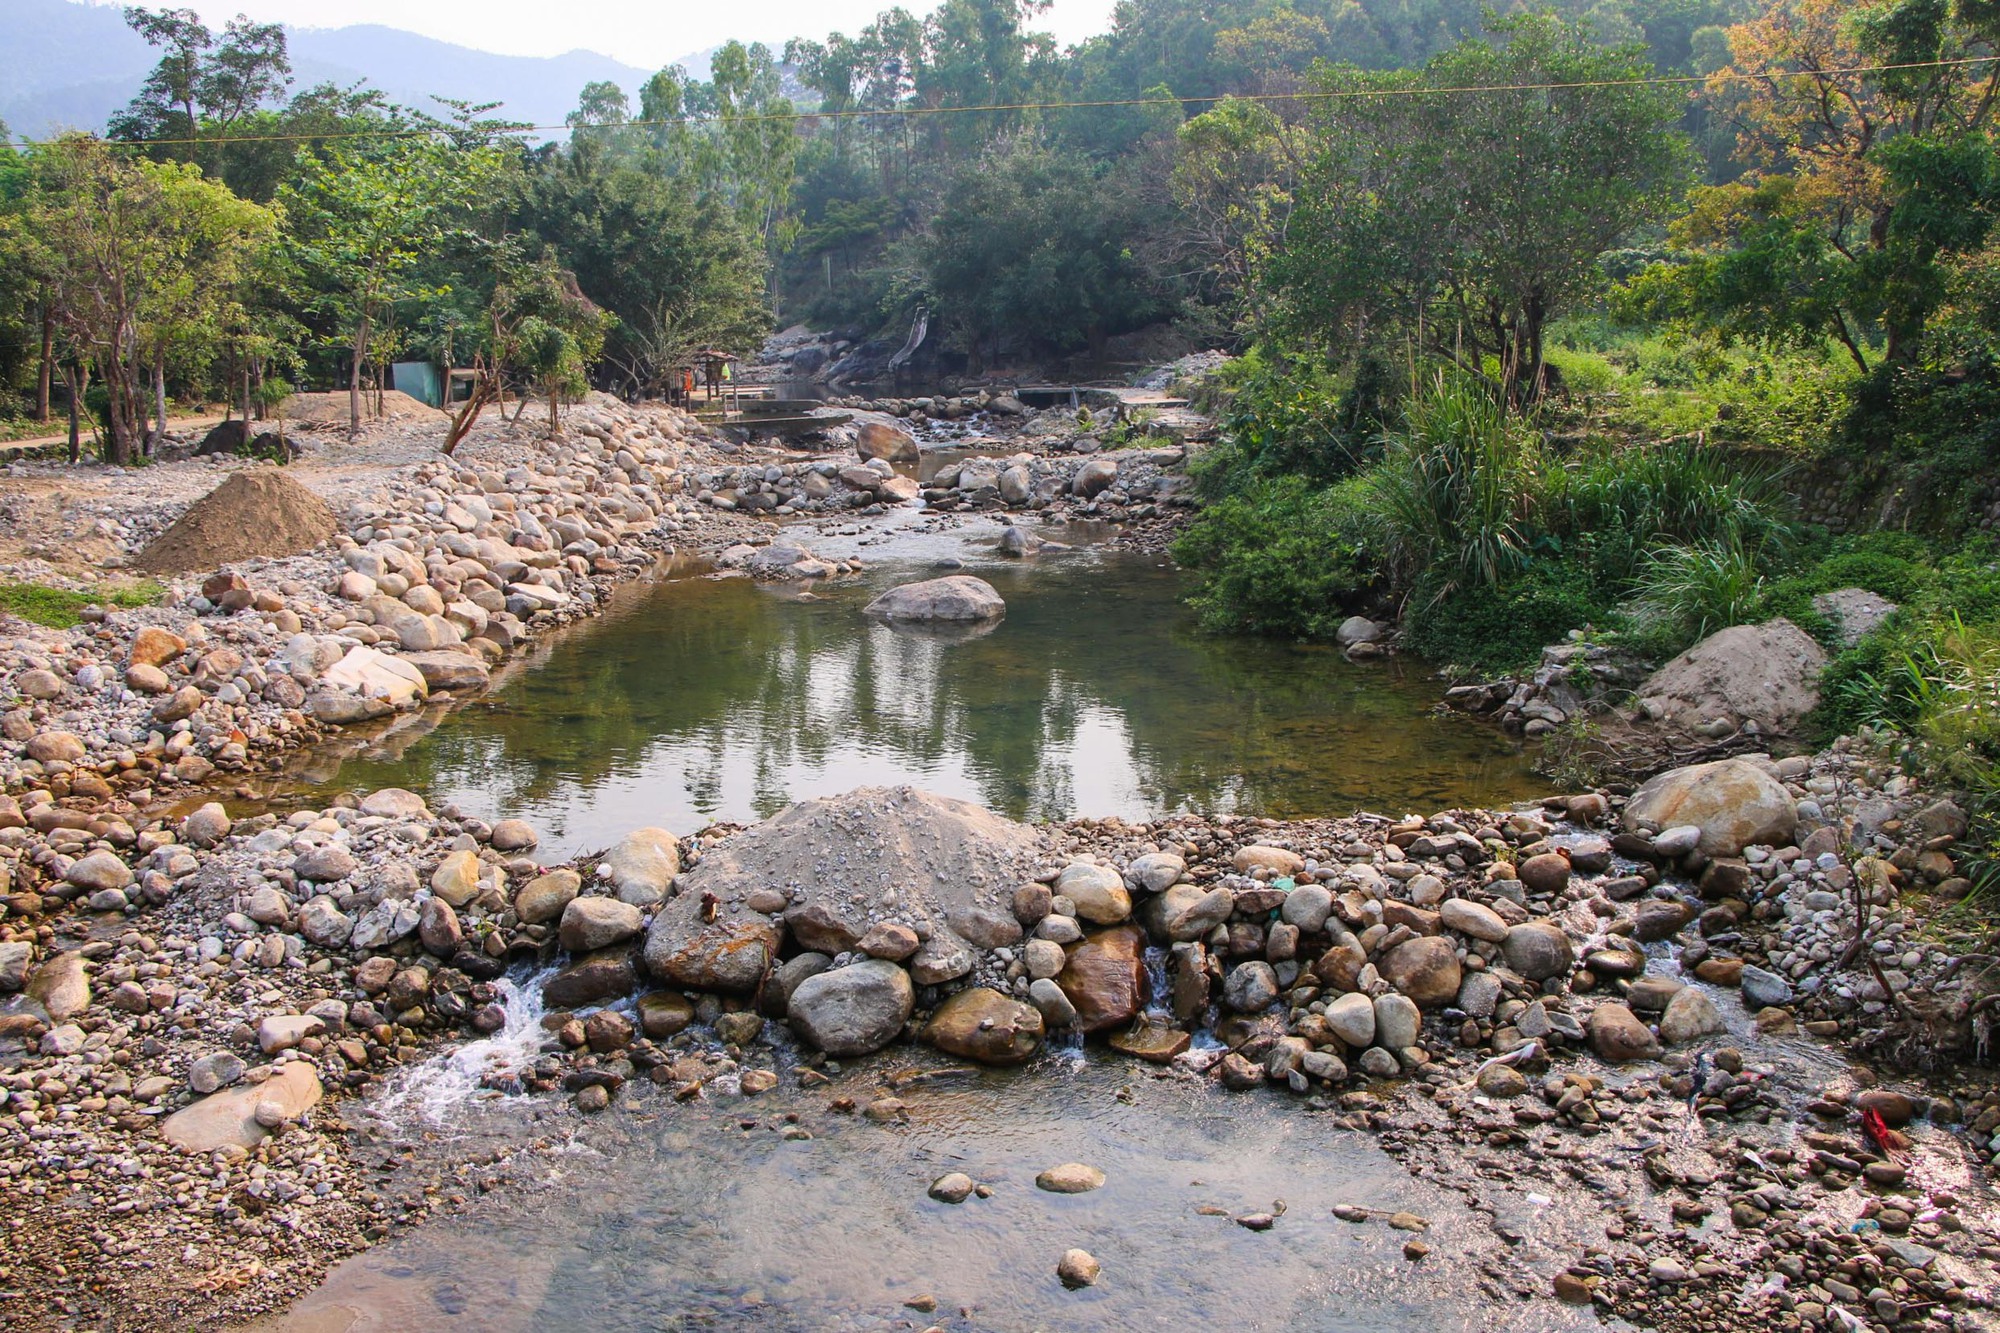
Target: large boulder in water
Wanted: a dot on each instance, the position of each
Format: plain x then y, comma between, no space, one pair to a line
878,436
959,597
984,1025
1767,674
865,857
1104,978
1734,802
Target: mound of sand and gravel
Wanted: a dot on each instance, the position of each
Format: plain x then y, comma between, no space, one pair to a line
332,409
1767,674
824,871
256,512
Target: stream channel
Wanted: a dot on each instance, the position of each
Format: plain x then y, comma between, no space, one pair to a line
698,698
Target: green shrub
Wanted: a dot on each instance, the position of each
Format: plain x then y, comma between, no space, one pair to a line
1686,593
1504,627
1272,558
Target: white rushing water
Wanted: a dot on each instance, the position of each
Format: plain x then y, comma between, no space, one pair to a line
429,1093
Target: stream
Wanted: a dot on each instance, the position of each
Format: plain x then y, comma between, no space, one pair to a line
698,698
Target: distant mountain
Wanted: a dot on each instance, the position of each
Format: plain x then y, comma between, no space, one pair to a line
65,65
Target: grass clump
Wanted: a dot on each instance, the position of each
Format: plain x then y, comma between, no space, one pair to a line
60,608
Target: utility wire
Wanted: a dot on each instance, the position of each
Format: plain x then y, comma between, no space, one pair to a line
1341,94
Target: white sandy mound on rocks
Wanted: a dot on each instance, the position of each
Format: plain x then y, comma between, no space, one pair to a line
826,869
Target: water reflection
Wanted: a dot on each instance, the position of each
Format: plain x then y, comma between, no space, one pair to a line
705,698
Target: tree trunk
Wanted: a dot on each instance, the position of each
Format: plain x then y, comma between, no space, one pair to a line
555,402
74,383
354,380
159,404
48,364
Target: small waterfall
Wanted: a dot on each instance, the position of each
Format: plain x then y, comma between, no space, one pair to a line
1158,988
439,1087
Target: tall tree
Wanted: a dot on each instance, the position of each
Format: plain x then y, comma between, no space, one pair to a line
362,218
135,255
1466,220
202,86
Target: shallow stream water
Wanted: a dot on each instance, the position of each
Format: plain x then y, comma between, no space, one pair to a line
704,1217
697,698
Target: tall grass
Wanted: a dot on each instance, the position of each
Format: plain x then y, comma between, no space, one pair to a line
1459,488
1688,592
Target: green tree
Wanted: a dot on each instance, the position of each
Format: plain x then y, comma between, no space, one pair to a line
135,256
202,87
1466,221
363,217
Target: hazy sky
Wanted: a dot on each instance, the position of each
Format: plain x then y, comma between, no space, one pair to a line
646,33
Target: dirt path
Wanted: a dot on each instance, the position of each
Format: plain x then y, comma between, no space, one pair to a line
201,423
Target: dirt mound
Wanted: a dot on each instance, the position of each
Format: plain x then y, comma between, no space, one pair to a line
1767,674
257,512
945,868
331,409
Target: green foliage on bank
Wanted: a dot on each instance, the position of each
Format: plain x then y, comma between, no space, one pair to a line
60,608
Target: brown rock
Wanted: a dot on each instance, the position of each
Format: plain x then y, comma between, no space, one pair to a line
984,1025
1425,969
1105,978
1545,874
1617,1035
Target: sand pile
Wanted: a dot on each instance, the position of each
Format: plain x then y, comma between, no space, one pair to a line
257,512
331,409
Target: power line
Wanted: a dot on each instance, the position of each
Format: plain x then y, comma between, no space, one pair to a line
1341,94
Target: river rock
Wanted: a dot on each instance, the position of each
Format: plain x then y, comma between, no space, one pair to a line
1307,907
281,1032
894,941
1105,978
664,1013
941,958
1078,1268
1352,1018
1545,875
214,1071
98,871
322,922
1479,994
593,979
597,923
642,866
732,958
982,1024
458,877
1425,969
543,898
1250,987
1070,1178
852,1010
1156,872
1689,1016
1276,860
952,1187
1094,478
325,865
1762,989
1054,1006
1735,804
394,803
15,958
1098,892
876,437
954,598
1397,1022
231,1118
822,928
1617,1035
208,825
61,986
1538,950
56,747
1474,919
1659,919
